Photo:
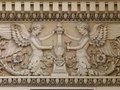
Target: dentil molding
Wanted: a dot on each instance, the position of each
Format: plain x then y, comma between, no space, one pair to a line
75,10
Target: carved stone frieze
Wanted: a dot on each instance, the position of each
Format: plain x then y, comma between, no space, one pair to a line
60,43
93,52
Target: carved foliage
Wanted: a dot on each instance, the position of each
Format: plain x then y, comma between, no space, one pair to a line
22,53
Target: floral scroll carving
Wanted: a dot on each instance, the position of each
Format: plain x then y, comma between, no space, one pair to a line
22,52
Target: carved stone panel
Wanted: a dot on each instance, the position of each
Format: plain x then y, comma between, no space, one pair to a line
60,48
75,44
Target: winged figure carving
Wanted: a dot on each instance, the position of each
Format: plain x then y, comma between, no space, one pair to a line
18,37
98,40
22,51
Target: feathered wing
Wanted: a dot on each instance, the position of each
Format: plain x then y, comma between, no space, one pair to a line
5,32
18,39
98,37
19,34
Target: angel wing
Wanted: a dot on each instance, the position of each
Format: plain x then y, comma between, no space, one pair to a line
98,37
17,35
5,32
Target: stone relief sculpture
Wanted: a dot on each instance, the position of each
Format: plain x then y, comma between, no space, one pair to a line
19,37
81,50
22,52
37,53
75,53
59,66
98,39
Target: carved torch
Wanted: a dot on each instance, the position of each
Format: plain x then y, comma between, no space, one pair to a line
59,63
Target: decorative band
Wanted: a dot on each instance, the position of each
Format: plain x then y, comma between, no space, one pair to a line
60,6
60,16
60,82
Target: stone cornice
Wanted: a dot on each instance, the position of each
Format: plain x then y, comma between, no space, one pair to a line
89,9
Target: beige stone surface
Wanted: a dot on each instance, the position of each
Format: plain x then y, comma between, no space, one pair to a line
60,43
107,88
28,88
18,6
27,6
